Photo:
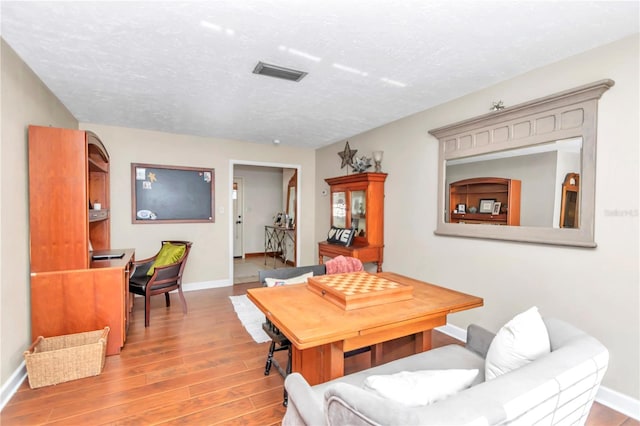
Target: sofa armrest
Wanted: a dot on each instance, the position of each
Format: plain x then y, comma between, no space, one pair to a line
479,339
304,406
351,405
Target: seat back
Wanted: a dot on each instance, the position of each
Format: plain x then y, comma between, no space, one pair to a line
286,273
183,260
171,275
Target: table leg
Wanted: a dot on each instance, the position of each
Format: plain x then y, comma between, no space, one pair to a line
423,341
319,364
376,354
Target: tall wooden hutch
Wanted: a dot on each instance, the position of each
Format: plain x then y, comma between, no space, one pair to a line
71,293
470,192
357,201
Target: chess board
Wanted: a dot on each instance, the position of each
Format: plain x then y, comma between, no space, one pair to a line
357,290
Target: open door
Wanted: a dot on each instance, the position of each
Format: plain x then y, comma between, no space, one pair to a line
238,212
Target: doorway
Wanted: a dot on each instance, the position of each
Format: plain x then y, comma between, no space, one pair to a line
258,192
237,195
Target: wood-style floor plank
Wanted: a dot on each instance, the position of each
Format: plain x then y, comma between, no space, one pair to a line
201,368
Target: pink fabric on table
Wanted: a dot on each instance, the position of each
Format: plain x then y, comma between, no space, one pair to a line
341,264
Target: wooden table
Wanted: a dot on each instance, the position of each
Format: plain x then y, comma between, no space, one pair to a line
322,332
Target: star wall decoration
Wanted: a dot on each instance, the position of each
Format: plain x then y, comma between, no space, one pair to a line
347,155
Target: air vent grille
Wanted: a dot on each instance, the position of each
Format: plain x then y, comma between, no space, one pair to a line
278,72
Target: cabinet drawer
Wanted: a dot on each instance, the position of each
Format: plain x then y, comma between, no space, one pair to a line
98,215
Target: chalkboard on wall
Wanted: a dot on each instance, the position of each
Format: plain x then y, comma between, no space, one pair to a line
171,194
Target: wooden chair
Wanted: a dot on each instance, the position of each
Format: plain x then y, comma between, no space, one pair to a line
163,280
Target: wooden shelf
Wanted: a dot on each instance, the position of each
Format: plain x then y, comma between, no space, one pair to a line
68,172
470,191
95,166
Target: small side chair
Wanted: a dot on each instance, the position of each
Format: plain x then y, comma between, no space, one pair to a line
161,274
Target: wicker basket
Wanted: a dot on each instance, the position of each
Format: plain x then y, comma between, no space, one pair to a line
54,360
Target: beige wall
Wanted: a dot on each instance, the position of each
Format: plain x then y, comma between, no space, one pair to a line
597,289
210,258
594,288
25,100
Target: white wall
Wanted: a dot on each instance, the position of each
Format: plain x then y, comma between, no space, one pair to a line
25,100
596,289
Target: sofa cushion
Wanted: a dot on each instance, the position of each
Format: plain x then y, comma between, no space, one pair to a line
416,388
275,282
520,341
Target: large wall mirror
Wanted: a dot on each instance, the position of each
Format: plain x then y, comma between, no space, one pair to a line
546,146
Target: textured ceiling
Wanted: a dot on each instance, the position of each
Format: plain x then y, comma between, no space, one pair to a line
186,67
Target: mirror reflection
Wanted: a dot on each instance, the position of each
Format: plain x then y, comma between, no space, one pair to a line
570,201
291,200
543,172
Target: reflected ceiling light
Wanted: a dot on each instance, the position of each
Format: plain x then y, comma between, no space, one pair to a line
350,69
278,72
300,53
393,82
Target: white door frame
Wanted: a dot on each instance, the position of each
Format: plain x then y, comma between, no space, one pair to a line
231,220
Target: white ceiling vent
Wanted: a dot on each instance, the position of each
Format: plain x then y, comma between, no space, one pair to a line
278,72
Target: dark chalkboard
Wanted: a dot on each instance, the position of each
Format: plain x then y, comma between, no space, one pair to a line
171,194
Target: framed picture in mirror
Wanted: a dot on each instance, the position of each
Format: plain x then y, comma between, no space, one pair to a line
486,206
496,207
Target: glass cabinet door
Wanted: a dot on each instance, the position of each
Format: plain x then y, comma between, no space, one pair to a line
359,213
339,209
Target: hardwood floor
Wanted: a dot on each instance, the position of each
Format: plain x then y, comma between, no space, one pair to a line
202,368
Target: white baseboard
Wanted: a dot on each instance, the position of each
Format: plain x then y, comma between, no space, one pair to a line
204,285
619,402
615,400
10,387
454,331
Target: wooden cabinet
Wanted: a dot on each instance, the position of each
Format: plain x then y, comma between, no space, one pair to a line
68,173
357,201
68,170
72,301
481,192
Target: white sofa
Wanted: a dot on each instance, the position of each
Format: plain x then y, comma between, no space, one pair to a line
555,389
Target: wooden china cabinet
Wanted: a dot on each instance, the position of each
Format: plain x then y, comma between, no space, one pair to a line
357,201
70,292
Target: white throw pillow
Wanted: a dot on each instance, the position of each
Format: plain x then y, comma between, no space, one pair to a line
416,388
520,341
275,282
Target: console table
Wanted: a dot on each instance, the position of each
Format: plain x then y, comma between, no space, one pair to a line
275,241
